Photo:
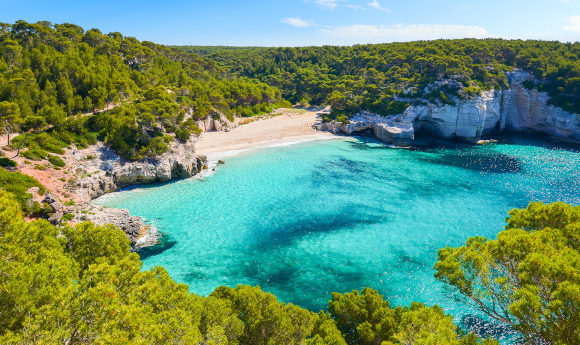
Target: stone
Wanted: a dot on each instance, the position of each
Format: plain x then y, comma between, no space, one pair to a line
516,109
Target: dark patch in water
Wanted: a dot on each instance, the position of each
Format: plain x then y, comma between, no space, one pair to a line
193,276
280,233
484,161
338,172
283,276
486,329
165,243
405,259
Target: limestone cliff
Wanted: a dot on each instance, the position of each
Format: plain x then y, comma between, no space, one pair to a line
99,170
216,122
516,109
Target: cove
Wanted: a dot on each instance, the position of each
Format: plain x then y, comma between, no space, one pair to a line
308,219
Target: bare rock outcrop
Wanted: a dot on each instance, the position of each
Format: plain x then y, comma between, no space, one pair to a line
139,233
517,109
99,170
216,122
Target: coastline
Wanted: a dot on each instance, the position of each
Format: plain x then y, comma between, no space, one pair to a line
281,128
287,127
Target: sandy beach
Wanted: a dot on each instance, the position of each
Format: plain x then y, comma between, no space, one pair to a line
290,126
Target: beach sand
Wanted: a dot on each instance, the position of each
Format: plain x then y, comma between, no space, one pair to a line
290,126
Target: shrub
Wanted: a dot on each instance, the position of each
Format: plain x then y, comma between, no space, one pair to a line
56,161
18,184
6,162
35,153
67,217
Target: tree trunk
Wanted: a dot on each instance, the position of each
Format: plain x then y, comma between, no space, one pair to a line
7,132
20,146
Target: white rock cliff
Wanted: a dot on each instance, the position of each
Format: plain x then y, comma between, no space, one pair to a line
517,109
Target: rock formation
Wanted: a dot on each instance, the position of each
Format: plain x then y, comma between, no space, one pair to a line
99,170
216,122
517,109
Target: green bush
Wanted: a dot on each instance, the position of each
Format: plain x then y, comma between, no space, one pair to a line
56,161
67,217
17,184
35,153
6,162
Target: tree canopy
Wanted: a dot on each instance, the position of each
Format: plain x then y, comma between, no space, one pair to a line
386,78
528,278
83,285
54,76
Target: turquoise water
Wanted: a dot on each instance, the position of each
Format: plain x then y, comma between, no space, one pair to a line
305,220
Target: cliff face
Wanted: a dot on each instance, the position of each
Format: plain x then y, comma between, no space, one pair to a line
99,170
528,110
517,109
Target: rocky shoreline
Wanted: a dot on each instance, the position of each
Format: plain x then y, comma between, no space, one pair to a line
98,170
516,109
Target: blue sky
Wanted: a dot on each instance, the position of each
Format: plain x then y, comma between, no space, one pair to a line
308,22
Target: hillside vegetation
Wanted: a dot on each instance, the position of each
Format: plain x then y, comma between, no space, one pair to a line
386,78
82,285
56,79
52,75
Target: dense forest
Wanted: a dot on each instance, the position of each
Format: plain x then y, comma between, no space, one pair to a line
386,78
82,285
53,76
60,84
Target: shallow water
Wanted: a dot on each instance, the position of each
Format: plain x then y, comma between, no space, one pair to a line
305,220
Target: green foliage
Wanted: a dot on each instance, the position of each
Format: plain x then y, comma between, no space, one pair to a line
7,162
56,161
83,285
366,318
35,154
528,278
55,76
67,217
370,77
18,184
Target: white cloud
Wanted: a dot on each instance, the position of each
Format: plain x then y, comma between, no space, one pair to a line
377,6
573,24
332,4
356,7
353,34
297,22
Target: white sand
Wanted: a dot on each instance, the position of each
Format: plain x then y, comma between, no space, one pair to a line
284,129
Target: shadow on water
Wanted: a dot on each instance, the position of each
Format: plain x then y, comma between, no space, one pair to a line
537,140
478,160
165,243
281,233
470,156
291,279
488,329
